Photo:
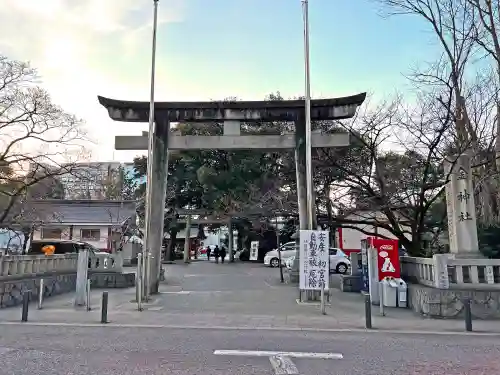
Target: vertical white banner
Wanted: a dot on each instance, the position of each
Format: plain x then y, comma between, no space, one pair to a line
314,259
254,250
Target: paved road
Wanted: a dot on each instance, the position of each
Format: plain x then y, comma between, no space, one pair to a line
111,350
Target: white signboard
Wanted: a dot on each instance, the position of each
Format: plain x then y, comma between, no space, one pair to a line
254,250
314,259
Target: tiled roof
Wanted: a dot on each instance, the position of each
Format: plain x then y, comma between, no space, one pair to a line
79,211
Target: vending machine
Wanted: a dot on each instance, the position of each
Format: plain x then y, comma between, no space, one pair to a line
380,259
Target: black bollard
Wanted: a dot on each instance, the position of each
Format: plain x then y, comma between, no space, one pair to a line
368,311
26,302
282,278
104,308
467,314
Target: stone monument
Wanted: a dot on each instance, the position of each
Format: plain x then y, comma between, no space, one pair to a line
460,207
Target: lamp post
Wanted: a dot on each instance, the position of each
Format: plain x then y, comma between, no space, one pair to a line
307,110
147,236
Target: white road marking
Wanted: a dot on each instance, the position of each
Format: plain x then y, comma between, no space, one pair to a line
206,275
268,284
187,292
179,292
311,303
283,365
265,353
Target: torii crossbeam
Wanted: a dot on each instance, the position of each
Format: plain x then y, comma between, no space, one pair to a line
231,114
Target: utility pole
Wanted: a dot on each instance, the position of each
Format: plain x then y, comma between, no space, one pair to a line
151,134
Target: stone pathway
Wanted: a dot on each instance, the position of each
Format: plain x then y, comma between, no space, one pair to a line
244,295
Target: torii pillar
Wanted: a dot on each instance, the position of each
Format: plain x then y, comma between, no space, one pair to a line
231,114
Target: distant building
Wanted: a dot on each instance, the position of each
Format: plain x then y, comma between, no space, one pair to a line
93,180
99,222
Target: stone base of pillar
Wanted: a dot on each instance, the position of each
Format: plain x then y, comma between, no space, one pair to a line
294,277
310,296
469,255
155,288
295,272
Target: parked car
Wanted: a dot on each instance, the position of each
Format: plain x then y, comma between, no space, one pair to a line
339,262
272,257
61,247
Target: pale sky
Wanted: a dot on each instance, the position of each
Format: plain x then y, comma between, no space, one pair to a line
207,50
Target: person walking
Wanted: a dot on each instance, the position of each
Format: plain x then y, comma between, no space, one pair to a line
223,253
209,250
216,253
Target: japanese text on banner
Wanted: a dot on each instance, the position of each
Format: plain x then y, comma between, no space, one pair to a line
314,260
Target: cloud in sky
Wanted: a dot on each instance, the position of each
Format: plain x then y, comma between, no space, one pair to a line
83,48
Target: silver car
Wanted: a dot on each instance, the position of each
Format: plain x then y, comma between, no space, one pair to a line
339,262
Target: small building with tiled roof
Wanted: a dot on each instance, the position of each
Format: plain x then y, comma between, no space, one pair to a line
98,222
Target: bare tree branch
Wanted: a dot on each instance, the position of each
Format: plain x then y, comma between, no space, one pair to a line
38,140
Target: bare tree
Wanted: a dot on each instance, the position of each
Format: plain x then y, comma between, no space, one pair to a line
122,220
486,36
465,29
39,140
392,178
453,24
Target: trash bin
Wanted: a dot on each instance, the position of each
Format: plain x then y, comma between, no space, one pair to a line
390,292
402,293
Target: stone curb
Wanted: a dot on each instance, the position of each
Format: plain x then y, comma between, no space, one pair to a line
247,328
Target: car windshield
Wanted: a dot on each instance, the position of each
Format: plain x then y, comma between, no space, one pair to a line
288,246
340,253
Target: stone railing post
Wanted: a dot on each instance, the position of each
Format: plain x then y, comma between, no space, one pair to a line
118,261
440,266
81,278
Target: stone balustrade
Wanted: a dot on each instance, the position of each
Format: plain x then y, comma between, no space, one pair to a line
444,271
420,270
20,266
106,263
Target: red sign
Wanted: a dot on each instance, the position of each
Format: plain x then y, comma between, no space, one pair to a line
387,257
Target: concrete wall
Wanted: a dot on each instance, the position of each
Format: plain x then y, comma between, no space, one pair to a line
439,303
11,292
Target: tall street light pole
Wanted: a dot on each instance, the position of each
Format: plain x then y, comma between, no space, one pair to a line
309,179
146,274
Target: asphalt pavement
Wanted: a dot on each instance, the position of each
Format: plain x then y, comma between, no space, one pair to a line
126,351
232,319
240,295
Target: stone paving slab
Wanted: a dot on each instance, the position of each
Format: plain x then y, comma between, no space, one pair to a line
246,296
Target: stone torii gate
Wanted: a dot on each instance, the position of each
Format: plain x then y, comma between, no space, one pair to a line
231,114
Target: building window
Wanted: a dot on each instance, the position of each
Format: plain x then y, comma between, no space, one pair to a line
51,233
90,234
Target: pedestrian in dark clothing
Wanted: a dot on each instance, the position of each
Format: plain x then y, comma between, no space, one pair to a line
209,250
216,253
222,254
